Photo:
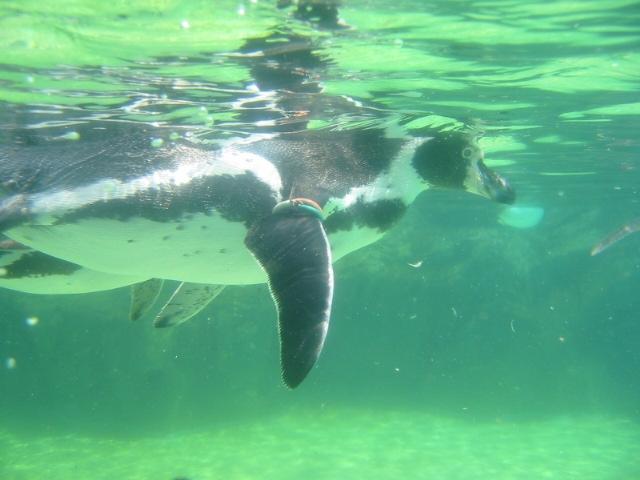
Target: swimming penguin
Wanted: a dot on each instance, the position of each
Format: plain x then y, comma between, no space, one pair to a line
133,203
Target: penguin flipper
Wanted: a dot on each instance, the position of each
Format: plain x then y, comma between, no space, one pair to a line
143,296
295,253
187,300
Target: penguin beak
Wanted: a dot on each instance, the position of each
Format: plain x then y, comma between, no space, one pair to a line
489,184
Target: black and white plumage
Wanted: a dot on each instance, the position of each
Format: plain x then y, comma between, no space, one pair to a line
127,203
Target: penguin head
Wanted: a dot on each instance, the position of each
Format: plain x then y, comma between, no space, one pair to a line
454,160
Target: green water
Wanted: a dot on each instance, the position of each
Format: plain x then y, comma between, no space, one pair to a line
507,353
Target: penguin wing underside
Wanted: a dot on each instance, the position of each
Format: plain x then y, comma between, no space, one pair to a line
295,253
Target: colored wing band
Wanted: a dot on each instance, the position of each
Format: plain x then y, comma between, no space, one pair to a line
299,206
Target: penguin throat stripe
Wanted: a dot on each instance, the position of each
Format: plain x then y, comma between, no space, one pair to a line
299,206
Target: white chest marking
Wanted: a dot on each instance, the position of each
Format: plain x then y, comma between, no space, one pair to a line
401,182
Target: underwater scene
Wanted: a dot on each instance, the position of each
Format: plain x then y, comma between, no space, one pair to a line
319,239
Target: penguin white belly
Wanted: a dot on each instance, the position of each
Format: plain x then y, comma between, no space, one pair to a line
200,248
46,275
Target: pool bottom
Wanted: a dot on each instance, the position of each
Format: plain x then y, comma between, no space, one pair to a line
340,443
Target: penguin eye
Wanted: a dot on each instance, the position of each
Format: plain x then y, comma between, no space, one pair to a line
467,153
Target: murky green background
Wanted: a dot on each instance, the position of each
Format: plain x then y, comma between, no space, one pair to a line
509,353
